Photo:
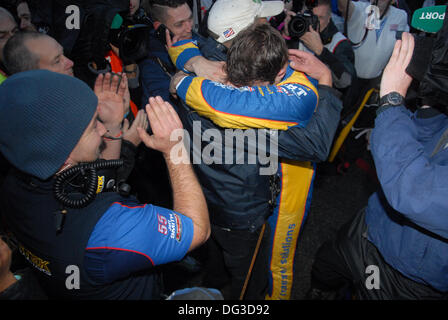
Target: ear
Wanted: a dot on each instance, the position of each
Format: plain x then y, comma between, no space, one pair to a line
281,73
156,24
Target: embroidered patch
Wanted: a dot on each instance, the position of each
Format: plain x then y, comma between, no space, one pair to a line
178,227
229,32
393,27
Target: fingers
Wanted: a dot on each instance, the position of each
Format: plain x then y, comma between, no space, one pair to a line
111,83
408,50
153,116
107,82
98,87
395,52
169,41
121,90
403,50
299,53
141,121
126,125
174,117
146,138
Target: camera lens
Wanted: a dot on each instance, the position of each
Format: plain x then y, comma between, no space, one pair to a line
297,26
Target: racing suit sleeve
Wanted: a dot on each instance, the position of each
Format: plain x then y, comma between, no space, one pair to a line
412,182
182,51
290,103
130,237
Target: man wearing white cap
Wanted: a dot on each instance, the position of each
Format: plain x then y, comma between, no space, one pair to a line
228,17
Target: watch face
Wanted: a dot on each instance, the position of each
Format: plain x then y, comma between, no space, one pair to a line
393,98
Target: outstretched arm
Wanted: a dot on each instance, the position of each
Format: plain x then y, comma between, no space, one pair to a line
186,56
187,193
413,184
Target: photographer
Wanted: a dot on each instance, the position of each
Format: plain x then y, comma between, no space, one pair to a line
315,31
401,236
371,28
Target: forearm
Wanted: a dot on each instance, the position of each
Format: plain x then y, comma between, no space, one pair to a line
192,63
412,183
188,197
184,54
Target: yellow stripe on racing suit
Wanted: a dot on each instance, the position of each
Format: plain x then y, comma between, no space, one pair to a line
292,102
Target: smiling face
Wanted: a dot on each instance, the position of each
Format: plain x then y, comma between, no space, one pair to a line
51,55
180,21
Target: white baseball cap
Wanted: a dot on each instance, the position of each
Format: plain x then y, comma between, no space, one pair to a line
228,17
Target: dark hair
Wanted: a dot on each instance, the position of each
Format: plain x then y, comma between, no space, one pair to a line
156,9
17,56
324,3
257,53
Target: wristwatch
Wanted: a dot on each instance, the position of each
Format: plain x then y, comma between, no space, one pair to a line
392,98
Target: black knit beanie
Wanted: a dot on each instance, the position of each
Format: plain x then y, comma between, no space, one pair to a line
42,117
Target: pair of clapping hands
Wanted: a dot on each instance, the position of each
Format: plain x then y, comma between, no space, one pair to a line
113,102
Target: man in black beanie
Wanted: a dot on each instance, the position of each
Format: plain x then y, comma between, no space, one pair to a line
84,242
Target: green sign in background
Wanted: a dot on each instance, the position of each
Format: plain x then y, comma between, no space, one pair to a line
429,19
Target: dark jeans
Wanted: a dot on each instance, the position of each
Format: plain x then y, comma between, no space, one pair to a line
348,261
229,254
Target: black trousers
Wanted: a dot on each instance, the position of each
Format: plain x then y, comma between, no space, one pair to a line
229,254
355,94
351,260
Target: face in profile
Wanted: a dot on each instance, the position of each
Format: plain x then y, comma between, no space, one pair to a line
91,143
51,55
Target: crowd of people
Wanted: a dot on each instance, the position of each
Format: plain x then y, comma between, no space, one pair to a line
161,128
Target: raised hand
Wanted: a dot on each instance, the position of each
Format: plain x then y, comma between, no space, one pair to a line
306,62
163,120
111,93
130,132
395,77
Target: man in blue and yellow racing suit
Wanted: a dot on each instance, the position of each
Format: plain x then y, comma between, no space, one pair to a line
239,196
